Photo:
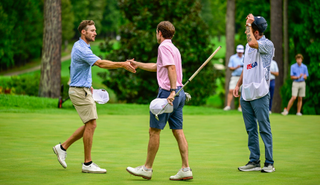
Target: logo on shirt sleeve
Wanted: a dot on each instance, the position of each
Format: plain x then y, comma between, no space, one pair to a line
253,65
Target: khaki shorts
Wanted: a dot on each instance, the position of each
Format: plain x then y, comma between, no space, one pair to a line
233,82
299,89
82,100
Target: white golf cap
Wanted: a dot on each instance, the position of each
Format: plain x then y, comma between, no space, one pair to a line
240,49
100,96
157,106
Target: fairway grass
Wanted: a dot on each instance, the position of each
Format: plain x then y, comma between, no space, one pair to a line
217,146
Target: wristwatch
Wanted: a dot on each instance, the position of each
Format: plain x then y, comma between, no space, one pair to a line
248,24
172,90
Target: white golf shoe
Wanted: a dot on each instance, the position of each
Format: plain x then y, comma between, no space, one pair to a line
140,171
182,175
62,155
268,168
92,168
285,112
227,108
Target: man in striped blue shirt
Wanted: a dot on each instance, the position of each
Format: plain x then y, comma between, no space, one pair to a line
80,93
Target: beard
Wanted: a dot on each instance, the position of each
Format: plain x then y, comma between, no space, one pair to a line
90,39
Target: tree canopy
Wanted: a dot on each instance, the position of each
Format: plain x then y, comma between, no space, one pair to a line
138,41
21,27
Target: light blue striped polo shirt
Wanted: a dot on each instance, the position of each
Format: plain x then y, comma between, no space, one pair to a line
82,59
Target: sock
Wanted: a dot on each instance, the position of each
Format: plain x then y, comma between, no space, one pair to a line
88,163
147,169
62,148
186,169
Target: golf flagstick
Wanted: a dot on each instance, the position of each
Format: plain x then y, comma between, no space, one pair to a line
189,80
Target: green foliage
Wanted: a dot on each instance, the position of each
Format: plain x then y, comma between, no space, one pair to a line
243,8
21,30
304,29
27,84
138,40
80,12
217,100
112,19
88,10
67,19
213,14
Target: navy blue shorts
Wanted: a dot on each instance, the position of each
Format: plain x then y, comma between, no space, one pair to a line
174,118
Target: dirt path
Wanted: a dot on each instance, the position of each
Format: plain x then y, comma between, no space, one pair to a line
34,68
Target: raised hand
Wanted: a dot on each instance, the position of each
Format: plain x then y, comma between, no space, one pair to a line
250,19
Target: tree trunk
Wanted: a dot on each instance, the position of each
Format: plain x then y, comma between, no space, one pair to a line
276,38
286,40
230,34
51,50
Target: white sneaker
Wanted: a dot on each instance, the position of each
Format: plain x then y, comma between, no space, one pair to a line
299,114
92,168
140,171
250,166
239,109
285,112
227,108
182,175
62,155
268,168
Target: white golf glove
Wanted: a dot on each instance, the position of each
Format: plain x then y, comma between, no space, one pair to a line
188,96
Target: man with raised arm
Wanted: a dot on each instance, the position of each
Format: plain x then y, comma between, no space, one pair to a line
255,79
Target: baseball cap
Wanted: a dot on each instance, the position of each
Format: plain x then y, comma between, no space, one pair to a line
158,104
261,23
240,49
100,96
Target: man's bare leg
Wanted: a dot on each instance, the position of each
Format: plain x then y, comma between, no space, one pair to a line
290,103
230,96
87,139
299,104
183,146
74,137
153,146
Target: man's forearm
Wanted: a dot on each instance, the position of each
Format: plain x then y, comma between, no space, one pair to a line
172,76
250,38
152,67
275,73
107,64
239,83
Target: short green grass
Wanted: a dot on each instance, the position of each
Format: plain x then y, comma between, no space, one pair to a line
217,145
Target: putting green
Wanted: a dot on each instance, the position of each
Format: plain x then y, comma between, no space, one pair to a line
217,146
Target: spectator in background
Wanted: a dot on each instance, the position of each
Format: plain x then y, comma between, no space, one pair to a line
274,72
298,73
236,66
